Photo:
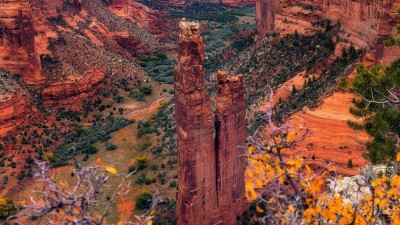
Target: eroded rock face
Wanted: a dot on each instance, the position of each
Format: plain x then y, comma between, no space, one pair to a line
265,10
195,131
74,90
13,111
210,173
17,38
187,2
363,23
230,128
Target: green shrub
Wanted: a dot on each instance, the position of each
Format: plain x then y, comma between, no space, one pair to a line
343,83
235,28
144,128
111,147
132,169
144,200
142,64
141,179
141,162
146,89
139,96
172,184
90,150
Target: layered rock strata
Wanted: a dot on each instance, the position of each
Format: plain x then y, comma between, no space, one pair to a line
69,92
211,172
17,40
13,111
265,12
363,23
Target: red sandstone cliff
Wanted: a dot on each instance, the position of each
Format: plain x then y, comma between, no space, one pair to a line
13,111
210,171
117,3
68,93
265,11
17,40
363,23
57,46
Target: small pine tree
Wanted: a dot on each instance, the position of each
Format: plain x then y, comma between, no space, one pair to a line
350,163
294,91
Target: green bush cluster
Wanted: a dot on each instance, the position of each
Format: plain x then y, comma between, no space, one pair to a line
82,140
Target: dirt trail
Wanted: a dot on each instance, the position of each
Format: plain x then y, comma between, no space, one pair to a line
150,107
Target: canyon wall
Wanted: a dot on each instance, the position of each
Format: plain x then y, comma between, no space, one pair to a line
364,23
187,2
17,41
68,51
13,111
210,171
265,11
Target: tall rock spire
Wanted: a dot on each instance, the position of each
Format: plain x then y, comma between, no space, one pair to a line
230,126
210,170
195,131
265,10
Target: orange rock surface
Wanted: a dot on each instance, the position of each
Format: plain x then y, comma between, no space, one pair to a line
13,111
77,88
17,41
230,128
330,138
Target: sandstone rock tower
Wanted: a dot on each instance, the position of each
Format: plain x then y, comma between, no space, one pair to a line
211,171
265,10
230,129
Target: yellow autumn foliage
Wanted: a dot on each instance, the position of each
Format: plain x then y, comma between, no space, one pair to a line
273,179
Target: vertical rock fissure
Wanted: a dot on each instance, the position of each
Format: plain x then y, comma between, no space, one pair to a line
217,166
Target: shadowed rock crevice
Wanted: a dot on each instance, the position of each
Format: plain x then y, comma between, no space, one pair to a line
211,171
